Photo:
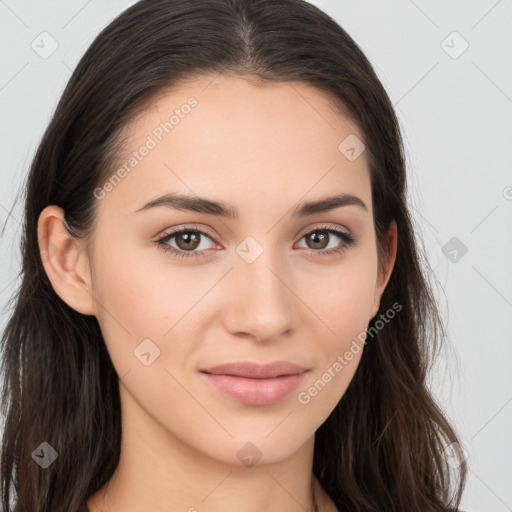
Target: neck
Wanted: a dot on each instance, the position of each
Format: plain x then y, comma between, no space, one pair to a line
159,472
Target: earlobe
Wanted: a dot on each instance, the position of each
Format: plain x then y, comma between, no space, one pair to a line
65,261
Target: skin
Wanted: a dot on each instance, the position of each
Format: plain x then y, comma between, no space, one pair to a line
263,149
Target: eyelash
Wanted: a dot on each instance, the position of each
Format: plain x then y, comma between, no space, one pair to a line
347,239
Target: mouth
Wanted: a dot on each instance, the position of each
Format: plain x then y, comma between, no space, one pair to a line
254,384
255,370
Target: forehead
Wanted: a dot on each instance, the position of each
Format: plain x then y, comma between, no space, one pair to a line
233,138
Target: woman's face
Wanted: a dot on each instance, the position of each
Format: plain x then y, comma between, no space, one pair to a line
263,285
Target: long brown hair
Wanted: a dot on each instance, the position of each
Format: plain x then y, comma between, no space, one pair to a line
382,446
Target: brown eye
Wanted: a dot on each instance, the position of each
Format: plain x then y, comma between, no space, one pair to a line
188,240
184,242
318,239
322,241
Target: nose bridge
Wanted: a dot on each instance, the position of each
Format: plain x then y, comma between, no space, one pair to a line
262,304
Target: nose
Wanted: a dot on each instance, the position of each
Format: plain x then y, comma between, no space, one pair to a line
263,305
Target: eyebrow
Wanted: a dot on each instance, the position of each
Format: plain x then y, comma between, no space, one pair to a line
185,202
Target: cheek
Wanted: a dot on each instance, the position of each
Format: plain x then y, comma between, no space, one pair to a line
344,313
341,308
129,305
135,287
138,301
343,298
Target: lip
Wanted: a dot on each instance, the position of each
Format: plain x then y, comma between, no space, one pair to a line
256,370
255,384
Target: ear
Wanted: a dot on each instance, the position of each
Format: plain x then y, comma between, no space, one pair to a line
386,268
65,261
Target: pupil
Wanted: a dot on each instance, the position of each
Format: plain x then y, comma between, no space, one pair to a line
318,237
188,236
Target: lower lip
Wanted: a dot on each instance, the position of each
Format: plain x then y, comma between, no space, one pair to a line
255,391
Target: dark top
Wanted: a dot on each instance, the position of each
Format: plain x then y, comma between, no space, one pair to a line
85,508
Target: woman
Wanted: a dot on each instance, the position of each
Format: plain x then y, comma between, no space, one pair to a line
222,304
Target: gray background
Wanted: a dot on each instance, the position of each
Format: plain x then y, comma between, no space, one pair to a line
455,108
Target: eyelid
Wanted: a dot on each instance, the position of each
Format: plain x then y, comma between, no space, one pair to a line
170,233
347,239
205,231
188,227
323,226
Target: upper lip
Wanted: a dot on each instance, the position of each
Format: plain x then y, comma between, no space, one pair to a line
255,370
